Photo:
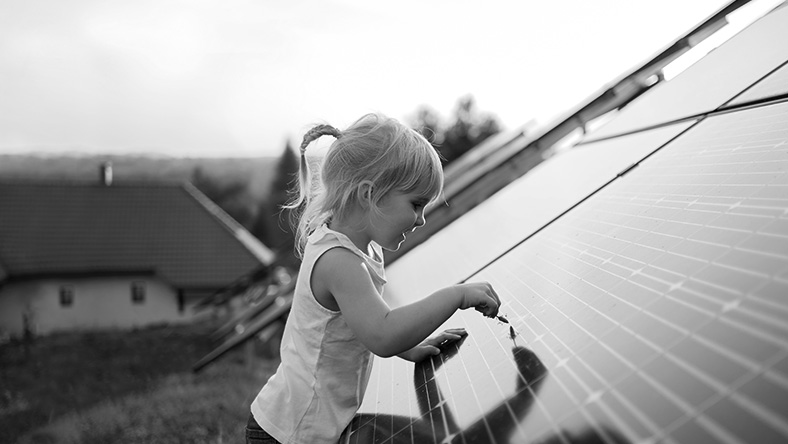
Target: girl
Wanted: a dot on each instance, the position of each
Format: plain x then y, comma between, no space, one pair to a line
376,180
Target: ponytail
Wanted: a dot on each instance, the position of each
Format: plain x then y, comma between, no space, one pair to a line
303,197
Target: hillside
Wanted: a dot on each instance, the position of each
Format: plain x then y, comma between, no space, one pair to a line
257,171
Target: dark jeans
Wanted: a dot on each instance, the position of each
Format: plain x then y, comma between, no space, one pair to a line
256,435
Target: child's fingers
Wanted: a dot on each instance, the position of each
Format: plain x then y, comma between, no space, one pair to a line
456,331
495,296
492,294
445,338
489,308
482,297
497,301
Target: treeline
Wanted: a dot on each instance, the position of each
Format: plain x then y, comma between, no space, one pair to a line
467,127
264,218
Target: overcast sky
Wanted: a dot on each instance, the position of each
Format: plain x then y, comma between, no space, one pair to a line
211,78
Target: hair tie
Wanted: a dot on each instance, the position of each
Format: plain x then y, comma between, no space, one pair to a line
316,132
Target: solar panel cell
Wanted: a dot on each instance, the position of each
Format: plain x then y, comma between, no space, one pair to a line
661,406
698,430
771,391
708,358
737,418
627,419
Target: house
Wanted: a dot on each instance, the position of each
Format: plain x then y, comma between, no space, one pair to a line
76,255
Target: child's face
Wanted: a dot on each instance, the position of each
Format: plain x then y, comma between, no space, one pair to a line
400,213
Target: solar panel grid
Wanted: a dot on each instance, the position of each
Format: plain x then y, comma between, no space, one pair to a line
631,366
475,407
740,346
573,391
682,303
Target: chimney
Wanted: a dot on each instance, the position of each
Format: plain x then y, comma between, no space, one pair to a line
106,173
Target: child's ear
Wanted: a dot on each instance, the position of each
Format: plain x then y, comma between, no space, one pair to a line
365,190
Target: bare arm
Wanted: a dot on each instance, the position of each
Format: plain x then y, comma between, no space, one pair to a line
385,331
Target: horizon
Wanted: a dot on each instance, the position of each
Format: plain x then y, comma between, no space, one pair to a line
242,79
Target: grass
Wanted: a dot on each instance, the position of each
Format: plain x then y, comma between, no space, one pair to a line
130,387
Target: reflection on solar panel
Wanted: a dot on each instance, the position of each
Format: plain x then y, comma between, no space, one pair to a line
712,81
652,311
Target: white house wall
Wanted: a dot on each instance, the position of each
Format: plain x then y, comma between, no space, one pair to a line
97,303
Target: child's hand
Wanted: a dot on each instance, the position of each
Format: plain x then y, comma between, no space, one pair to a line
431,346
481,296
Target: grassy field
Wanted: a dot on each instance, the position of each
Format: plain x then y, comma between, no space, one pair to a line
129,387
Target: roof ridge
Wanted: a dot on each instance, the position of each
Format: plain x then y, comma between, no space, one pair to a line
254,245
90,183
211,206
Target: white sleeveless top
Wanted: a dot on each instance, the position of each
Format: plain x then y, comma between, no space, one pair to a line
321,380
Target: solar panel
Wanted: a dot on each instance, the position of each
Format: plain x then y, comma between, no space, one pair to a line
517,211
712,81
776,84
654,311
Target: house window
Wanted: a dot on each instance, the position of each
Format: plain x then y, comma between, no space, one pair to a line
66,295
138,292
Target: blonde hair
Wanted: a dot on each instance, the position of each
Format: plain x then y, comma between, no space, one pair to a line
375,150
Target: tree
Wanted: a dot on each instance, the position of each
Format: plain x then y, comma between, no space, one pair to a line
468,128
273,223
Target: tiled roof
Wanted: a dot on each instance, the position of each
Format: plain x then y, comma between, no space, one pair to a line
170,229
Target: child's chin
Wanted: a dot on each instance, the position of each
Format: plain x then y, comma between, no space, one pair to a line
395,246
392,249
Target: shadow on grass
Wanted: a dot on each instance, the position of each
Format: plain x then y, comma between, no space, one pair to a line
116,386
